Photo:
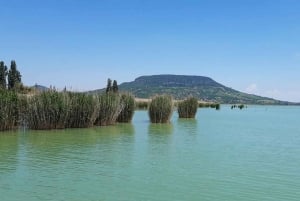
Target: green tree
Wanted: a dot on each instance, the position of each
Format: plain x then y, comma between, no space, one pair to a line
3,74
108,87
14,76
115,87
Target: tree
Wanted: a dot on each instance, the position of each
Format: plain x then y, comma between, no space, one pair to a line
108,87
3,74
115,87
14,76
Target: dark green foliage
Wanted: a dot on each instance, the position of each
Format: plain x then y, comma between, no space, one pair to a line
188,108
241,106
109,109
115,87
208,104
9,109
82,110
3,74
47,110
218,106
128,105
14,76
160,109
108,87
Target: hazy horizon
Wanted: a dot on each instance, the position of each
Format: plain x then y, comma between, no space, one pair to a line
251,46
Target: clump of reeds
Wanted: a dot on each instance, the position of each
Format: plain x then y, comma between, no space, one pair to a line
209,104
47,110
128,103
109,109
142,105
9,114
83,110
160,109
188,108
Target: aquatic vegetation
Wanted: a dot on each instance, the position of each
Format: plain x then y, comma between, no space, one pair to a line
188,108
109,109
241,106
9,109
161,109
128,103
142,105
47,110
82,110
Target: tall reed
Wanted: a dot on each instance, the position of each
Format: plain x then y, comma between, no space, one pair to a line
160,109
47,110
110,107
9,109
83,110
128,102
188,108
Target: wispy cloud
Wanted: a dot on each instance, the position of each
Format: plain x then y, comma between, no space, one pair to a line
252,88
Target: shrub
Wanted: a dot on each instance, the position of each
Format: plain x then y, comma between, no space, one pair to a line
128,103
188,108
160,109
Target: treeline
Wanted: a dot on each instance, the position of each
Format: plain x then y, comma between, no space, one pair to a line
10,78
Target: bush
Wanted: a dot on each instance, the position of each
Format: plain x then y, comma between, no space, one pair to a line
160,109
128,105
188,108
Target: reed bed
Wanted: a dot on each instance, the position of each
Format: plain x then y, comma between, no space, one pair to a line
128,103
110,107
47,110
142,105
187,108
9,110
82,110
160,109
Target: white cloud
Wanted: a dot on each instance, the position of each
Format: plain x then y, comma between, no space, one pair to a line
252,88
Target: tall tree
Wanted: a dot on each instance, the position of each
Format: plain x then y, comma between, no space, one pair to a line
115,87
3,74
14,76
108,87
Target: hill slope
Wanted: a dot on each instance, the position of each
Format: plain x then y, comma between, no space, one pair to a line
182,86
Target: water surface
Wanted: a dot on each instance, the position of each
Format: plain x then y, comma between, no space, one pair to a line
250,154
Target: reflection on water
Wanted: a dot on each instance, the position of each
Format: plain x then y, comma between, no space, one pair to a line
8,151
221,155
160,129
188,126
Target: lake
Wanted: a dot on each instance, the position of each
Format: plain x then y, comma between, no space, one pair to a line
249,154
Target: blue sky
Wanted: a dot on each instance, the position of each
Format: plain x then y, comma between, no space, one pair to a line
249,45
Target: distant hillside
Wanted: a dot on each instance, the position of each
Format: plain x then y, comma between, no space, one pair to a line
182,86
40,87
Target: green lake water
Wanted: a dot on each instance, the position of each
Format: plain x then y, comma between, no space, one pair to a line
250,154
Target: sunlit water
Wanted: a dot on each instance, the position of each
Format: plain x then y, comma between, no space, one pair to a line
250,154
